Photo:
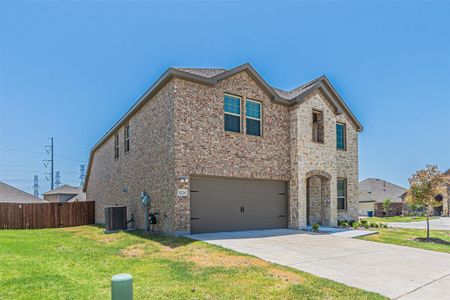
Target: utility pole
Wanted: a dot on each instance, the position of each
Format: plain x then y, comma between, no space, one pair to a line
82,174
49,150
57,179
36,186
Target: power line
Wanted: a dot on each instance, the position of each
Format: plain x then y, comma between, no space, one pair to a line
20,150
69,158
15,180
37,152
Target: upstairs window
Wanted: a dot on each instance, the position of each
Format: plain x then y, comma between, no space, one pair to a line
253,117
116,146
340,136
126,138
317,127
232,110
341,193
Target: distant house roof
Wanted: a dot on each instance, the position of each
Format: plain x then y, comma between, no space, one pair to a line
65,189
78,198
11,194
378,190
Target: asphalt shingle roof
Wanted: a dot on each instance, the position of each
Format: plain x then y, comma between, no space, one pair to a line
11,194
65,189
379,190
211,72
204,72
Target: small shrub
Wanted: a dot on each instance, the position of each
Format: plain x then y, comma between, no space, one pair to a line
344,224
356,225
315,227
366,226
364,222
376,225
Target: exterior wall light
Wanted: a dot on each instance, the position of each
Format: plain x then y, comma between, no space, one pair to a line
184,179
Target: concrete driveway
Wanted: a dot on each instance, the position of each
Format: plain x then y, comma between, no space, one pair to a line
441,223
394,271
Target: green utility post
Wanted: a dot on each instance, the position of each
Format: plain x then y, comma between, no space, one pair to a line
122,287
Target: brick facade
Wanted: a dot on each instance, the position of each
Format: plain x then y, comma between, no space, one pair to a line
179,132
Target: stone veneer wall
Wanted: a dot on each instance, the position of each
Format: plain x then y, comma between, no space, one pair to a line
203,148
347,167
148,166
308,156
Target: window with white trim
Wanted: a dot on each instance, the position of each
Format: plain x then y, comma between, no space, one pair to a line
253,117
232,113
342,193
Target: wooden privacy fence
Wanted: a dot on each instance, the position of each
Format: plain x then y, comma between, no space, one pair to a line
46,215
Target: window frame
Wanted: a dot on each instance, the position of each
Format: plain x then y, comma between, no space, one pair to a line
344,136
255,119
116,146
233,114
345,194
126,138
319,112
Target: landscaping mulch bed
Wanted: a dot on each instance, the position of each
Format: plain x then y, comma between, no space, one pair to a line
432,240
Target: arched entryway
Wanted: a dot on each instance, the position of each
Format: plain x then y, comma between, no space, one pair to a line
318,201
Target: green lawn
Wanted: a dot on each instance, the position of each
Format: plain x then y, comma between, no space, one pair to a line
396,219
78,262
405,237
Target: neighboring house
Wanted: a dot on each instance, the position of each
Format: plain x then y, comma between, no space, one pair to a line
446,199
222,150
11,194
375,190
65,193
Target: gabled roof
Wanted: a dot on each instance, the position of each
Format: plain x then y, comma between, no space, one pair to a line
379,190
11,194
78,198
211,76
64,189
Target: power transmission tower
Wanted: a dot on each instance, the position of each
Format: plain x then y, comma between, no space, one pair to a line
82,174
57,179
49,150
36,186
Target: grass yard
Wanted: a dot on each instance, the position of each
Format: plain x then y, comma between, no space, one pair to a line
78,263
405,237
396,219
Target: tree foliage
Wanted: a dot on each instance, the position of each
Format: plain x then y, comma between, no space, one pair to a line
425,185
387,205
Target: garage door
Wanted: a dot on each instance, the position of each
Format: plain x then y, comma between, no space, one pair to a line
231,204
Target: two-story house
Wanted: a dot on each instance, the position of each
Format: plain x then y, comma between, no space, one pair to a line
222,150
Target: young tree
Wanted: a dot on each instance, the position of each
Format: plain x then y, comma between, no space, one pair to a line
387,206
426,186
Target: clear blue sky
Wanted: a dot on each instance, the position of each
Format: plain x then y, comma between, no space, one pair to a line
71,69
